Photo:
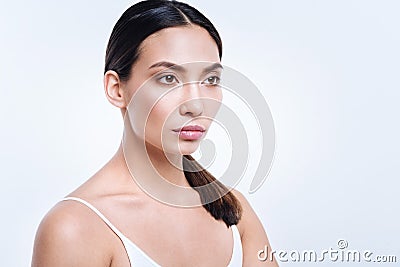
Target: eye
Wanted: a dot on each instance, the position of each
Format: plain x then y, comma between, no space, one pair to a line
168,79
213,80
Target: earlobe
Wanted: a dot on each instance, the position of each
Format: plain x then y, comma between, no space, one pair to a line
113,89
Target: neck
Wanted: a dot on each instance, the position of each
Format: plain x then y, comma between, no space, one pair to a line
156,173
169,166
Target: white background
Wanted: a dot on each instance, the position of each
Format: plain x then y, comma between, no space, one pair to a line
329,71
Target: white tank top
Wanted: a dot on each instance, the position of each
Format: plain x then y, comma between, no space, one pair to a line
138,258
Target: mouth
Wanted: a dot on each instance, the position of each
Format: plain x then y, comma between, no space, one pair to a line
190,132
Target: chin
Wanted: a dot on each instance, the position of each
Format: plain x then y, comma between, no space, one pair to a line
188,147
183,148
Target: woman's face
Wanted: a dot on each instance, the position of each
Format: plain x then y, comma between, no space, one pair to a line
174,84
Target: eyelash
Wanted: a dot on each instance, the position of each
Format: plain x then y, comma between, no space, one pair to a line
165,77
215,80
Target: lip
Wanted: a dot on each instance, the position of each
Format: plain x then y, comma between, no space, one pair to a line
190,132
198,128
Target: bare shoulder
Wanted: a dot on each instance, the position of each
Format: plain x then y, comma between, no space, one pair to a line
252,233
70,236
249,218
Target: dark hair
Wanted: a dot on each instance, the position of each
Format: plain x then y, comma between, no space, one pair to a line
133,27
143,19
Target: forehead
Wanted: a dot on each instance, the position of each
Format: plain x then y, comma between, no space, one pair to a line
181,45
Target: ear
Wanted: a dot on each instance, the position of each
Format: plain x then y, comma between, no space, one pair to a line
113,88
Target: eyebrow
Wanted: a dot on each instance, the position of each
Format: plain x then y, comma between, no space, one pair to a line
171,65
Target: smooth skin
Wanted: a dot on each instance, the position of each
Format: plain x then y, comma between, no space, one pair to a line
72,235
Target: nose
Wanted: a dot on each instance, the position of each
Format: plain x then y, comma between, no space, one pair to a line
193,105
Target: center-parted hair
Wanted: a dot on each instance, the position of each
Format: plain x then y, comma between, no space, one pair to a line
123,50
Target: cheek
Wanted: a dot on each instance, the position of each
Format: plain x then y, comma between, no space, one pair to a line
158,117
212,101
146,113
159,114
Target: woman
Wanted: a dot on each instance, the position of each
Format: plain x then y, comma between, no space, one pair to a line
120,217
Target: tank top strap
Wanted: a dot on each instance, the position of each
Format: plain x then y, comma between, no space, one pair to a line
134,252
237,253
90,206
